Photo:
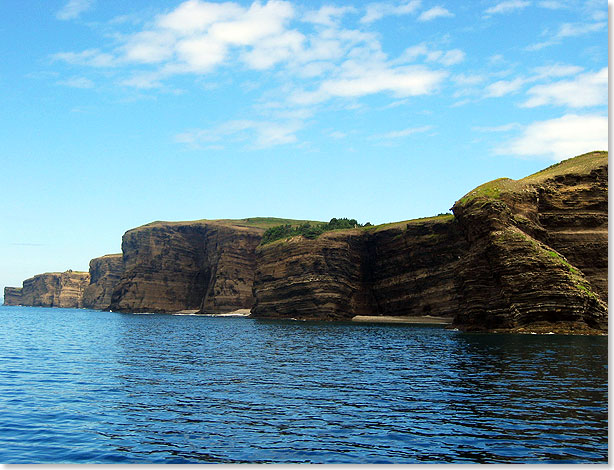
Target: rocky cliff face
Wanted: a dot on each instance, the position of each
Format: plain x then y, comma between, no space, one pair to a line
401,269
105,274
12,296
525,255
206,266
55,289
311,279
517,255
537,255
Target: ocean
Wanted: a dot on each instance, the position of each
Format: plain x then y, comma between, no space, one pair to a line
82,386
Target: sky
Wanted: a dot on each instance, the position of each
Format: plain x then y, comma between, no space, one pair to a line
116,114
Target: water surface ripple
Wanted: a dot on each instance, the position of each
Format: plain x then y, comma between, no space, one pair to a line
79,386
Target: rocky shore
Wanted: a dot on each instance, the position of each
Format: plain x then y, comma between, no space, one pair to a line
525,255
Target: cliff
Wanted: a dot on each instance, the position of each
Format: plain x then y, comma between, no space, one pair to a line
105,274
516,256
538,250
55,289
396,269
205,266
12,296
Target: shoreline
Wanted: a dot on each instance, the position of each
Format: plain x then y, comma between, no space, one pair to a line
417,320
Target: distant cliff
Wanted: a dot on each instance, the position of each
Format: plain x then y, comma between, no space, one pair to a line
525,255
52,290
168,267
12,296
105,273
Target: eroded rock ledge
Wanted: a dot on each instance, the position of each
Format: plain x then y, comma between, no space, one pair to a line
525,255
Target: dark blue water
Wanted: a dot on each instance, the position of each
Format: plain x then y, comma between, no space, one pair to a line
99,387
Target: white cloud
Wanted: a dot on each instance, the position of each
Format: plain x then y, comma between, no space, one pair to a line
552,4
403,133
195,16
400,81
144,80
556,70
376,11
504,87
275,49
560,138
149,47
200,54
468,80
506,7
89,57
569,30
73,9
77,82
327,15
263,134
502,128
258,22
316,64
451,57
589,89
435,12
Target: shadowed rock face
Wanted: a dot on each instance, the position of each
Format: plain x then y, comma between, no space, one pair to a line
12,296
311,279
105,273
517,255
405,269
63,290
170,267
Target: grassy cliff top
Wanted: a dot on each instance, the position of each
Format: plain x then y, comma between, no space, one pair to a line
251,222
405,223
69,271
580,165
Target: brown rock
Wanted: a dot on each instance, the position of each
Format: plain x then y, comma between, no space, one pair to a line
174,266
526,255
400,269
537,250
105,273
55,289
12,296
311,279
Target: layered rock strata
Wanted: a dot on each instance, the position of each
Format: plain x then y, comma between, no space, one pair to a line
517,255
538,250
105,274
12,296
205,266
400,269
525,255
63,290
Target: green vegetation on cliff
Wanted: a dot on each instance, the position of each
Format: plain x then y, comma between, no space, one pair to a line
580,165
309,230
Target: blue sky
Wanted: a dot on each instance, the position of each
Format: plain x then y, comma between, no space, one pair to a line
116,114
